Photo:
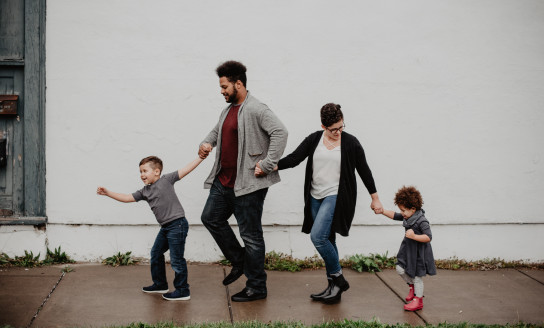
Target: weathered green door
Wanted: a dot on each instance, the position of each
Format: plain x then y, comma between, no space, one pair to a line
11,143
12,33
22,63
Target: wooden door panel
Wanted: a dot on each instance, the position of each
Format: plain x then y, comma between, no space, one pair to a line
11,174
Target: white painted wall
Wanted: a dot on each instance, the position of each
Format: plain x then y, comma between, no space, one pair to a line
444,95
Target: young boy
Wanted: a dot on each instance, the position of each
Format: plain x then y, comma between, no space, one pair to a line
415,257
160,195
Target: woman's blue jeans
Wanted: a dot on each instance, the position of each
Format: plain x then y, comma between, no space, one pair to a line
171,237
323,240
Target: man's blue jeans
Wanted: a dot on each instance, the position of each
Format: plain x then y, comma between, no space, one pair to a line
247,210
323,240
171,236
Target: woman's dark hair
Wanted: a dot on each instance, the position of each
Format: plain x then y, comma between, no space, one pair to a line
409,197
330,114
233,71
153,161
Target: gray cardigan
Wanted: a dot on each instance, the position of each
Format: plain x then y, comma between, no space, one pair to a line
261,136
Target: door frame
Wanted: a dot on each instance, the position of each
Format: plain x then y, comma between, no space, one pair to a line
33,157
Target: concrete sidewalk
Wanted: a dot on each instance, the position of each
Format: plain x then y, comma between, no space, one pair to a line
97,295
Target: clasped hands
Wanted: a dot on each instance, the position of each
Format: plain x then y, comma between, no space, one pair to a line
376,206
206,148
258,171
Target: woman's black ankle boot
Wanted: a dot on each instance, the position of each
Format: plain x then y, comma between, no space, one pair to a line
339,285
327,291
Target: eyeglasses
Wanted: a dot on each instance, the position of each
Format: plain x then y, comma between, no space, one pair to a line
337,129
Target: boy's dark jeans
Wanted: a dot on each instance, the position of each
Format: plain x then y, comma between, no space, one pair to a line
247,210
171,236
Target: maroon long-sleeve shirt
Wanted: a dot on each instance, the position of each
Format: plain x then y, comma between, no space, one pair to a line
229,148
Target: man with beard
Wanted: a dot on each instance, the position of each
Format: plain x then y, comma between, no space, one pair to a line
247,135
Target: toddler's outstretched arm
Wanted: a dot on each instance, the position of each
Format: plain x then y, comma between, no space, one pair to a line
189,167
390,214
125,198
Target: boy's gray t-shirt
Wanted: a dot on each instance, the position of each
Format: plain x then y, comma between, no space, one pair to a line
162,198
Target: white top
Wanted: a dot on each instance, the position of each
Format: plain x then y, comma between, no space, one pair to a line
326,171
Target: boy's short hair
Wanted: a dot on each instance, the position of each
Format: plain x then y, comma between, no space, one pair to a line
153,161
409,197
233,71
330,114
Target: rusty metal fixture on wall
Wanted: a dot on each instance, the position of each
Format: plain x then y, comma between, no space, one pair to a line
8,104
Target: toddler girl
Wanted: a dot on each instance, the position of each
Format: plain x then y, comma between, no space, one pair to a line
415,257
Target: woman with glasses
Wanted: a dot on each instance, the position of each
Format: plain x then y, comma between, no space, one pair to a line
330,191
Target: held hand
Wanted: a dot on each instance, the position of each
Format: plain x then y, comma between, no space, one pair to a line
204,150
410,234
258,171
376,206
101,191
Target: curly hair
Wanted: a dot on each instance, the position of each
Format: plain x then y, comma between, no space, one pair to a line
330,114
409,197
233,71
153,161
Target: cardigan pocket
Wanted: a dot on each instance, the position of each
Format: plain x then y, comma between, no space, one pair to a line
254,157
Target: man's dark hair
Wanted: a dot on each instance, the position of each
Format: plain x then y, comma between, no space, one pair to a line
153,161
330,114
233,71
409,197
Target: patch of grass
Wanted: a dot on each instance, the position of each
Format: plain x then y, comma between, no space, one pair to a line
5,260
376,263
340,324
56,257
225,262
487,264
120,260
27,261
370,263
284,262
30,261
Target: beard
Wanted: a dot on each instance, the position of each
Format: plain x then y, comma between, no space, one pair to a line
232,97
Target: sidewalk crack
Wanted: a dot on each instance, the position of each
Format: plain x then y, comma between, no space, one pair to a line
45,300
400,297
540,282
229,304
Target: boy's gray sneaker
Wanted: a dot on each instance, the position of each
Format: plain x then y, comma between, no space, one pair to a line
155,289
178,295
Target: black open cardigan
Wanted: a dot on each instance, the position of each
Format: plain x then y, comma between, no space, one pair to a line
352,158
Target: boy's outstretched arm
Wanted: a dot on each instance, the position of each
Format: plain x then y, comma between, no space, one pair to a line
189,167
125,198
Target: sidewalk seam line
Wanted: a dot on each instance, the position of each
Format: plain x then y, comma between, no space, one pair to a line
540,282
45,300
229,304
400,297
